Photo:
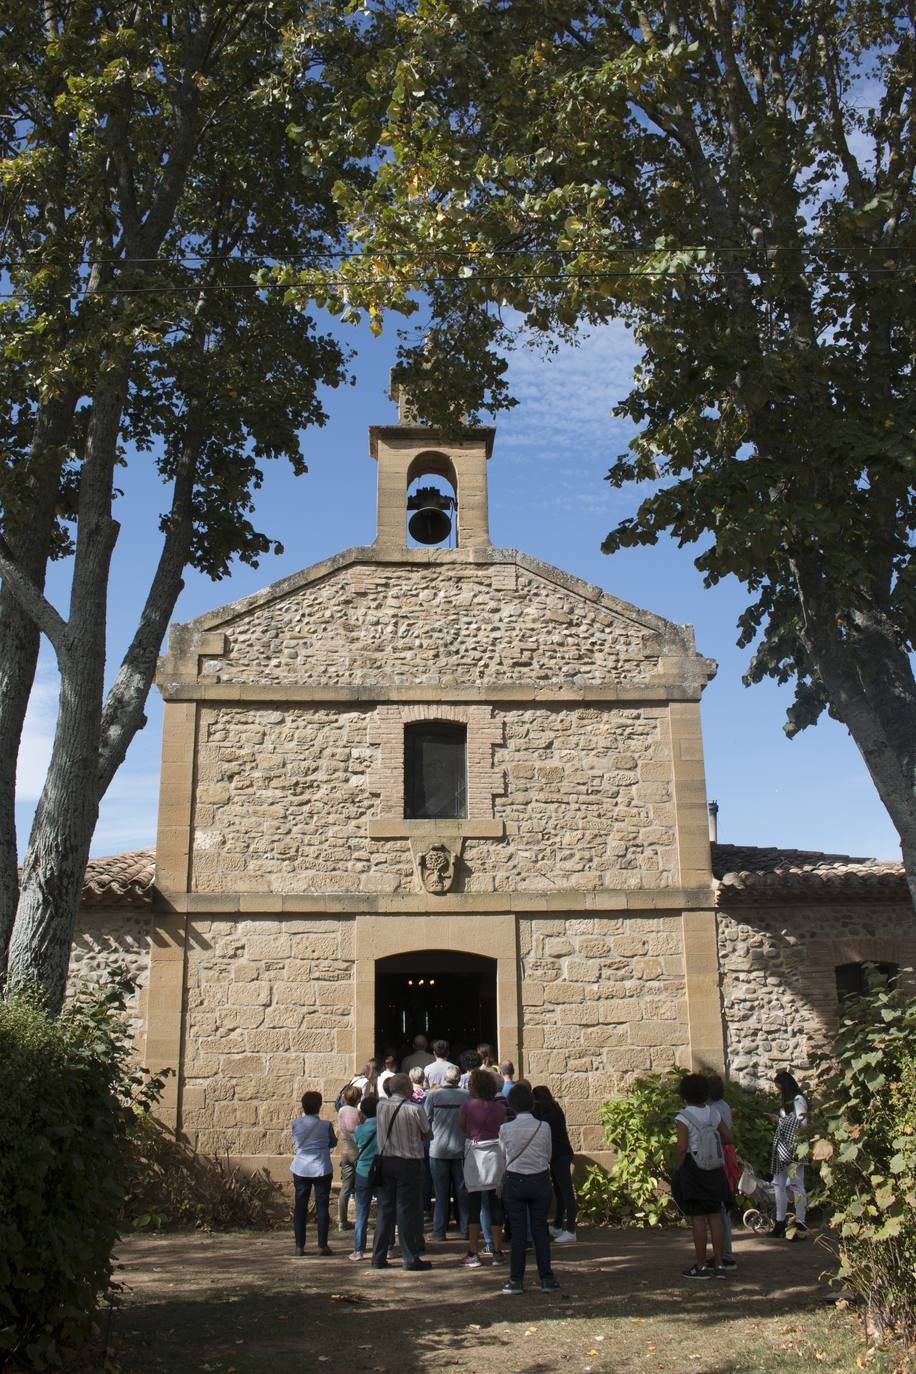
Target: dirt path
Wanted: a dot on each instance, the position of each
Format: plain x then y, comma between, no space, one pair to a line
244,1304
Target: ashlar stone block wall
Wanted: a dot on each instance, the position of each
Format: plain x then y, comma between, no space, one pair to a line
778,965
283,802
603,1001
269,1016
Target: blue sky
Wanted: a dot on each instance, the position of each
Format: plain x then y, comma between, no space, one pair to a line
547,498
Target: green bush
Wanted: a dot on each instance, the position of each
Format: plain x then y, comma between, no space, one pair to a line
639,1126
171,1186
867,1154
67,1093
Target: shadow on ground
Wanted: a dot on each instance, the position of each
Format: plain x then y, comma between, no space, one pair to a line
244,1303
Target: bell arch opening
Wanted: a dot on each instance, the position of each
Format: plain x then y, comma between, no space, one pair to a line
442,994
432,501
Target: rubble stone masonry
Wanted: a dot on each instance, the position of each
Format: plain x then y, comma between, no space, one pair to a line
114,936
778,969
435,623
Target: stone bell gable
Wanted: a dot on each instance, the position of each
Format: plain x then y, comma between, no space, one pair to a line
456,619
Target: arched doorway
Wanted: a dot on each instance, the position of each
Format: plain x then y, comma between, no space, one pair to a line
443,994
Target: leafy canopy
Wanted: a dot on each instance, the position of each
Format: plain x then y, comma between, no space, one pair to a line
736,182
147,176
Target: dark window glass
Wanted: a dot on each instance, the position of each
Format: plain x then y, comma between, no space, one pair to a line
855,980
435,771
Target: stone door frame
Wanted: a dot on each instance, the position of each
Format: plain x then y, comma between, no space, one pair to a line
494,937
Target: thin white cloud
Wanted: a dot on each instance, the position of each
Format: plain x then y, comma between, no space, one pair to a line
562,432
566,398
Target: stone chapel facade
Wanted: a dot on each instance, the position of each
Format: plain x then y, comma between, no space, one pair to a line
301,905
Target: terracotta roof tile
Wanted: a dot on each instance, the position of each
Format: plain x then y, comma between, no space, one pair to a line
121,879
756,873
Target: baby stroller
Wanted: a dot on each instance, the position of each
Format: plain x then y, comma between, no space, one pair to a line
760,1218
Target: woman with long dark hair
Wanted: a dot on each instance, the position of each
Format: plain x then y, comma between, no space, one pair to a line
547,1108
786,1170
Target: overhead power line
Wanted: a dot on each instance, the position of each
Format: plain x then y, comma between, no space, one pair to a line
334,255
190,290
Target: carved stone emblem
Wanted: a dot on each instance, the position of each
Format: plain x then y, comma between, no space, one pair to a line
436,867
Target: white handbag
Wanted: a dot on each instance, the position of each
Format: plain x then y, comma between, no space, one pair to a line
484,1165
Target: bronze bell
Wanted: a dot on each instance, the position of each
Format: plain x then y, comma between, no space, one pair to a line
430,522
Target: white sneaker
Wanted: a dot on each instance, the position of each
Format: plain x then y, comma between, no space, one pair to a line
565,1238
555,1231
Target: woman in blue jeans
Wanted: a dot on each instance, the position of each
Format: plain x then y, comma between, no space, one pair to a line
527,1189
366,1142
314,1140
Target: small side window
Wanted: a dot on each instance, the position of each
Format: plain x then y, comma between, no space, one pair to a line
435,771
855,980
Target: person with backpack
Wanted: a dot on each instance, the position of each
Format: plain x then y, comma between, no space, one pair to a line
699,1185
787,1172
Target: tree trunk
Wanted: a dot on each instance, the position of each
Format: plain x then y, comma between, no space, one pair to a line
871,688
91,741
52,873
55,864
20,638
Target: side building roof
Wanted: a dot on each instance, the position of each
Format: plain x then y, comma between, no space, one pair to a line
121,879
753,873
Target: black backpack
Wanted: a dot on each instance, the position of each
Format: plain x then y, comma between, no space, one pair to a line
339,1099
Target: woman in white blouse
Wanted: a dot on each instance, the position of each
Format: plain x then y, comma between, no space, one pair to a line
527,1190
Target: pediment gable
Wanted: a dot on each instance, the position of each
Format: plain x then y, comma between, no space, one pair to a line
451,619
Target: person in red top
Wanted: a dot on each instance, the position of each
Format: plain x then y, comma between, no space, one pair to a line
481,1117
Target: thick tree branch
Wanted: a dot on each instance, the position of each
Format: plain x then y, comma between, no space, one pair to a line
32,600
849,164
123,713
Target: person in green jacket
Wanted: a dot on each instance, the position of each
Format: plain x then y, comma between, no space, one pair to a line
366,1142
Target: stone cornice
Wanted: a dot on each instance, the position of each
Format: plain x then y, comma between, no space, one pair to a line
495,694
671,901
414,435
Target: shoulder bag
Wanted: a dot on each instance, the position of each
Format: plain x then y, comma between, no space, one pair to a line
375,1168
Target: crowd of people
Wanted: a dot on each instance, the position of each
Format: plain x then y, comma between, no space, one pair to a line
471,1146
463,1144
